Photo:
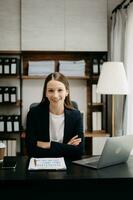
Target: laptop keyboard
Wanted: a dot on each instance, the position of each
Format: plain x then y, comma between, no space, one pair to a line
92,163
92,159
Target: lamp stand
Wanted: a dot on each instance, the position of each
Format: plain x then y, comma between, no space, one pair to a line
113,116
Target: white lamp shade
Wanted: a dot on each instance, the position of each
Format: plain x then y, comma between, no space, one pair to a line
112,79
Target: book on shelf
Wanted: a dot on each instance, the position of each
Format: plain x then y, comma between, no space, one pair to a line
95,67
47,164
96,121
96,98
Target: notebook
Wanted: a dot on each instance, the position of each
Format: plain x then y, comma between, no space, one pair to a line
116,150
47,164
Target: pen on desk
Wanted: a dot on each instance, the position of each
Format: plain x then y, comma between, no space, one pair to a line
35,162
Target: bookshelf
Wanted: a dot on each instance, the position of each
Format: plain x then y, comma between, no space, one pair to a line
93,64
90,77
10,101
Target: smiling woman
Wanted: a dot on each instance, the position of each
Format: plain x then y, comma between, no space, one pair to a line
54,128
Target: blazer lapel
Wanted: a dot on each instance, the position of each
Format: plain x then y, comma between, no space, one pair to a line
67,125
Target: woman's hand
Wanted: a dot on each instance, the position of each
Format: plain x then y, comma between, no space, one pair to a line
44,145
75,141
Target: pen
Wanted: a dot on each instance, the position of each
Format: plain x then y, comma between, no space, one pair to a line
35,162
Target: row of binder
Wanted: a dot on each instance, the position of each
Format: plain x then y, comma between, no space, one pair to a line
97,64
8,94
9,66
9,123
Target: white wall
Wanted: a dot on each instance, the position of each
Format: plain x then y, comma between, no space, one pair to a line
32,89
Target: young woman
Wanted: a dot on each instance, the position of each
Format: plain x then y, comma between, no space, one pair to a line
54,128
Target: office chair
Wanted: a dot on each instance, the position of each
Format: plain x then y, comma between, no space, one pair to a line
74,103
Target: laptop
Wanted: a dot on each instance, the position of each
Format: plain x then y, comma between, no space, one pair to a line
116,150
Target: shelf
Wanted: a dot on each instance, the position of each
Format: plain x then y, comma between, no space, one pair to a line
18,103
69,77
10,53
6,136
9,77
101,133
95,104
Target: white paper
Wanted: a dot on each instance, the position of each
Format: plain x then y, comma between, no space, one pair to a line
47,164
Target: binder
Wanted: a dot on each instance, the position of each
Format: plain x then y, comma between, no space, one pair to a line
1,66
6,66
95,67
13,94
9,124
13,62
2,124
16,123
6,97
1,94
14,147
101,64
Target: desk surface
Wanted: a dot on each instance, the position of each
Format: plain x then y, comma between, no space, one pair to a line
75,178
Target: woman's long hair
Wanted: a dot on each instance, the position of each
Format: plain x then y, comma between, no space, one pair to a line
61,78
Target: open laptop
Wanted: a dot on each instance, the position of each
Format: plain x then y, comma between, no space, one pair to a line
116,150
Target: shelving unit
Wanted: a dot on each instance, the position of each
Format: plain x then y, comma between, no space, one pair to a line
97,110
11,101
89,77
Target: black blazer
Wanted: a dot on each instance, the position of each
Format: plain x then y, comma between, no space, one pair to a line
37,128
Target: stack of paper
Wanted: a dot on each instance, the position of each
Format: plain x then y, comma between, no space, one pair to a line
72,68
47,164
41,68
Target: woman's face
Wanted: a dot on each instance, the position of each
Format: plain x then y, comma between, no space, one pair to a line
56,92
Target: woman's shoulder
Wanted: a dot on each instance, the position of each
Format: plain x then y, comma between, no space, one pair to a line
38,108
74,112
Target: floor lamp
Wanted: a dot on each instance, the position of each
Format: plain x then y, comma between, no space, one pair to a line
112,81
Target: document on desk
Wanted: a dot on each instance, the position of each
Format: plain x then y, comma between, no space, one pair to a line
47,164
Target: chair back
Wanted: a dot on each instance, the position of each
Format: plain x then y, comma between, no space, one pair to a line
74,103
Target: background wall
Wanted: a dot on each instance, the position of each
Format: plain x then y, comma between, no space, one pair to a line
32,89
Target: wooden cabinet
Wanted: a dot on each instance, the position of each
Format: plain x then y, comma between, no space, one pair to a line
68,25
10,25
